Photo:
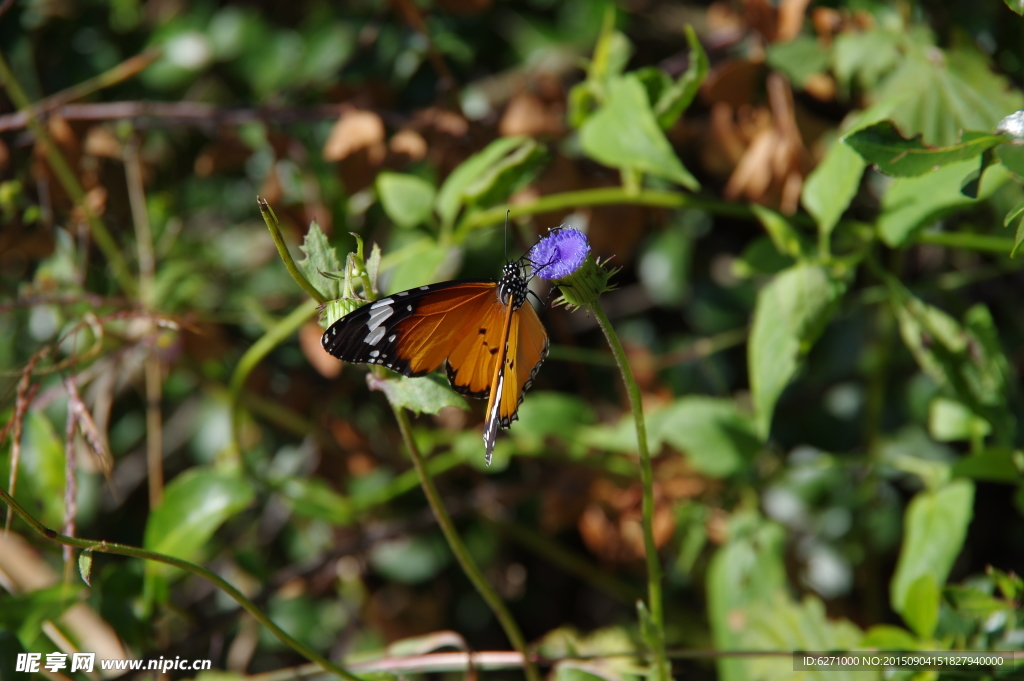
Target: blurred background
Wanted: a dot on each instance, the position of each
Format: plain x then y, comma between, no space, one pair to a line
134,315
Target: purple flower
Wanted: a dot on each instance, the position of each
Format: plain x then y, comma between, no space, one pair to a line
560,254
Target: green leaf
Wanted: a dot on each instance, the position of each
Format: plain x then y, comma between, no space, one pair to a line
407,199
760,258
783,624
573,670
450,197
791,312
911,203
939,93
410,560
744,572
1016,215
196,503
785,238
717,439
676,98
799,59
421,395
1012,156
831,186
864,56
624,134
85,566
314,498
42,469
1016,6
612,51
996,464
967,362
420,270
506,176
552,414
320,257
934,528
884,146
889,637
949,421
921,606
25,613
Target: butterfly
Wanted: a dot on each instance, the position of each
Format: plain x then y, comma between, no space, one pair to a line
491,340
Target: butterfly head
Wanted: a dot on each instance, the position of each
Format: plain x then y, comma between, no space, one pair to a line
512,288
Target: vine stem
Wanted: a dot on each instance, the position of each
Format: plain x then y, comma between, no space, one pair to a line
661,665
498,607
217,580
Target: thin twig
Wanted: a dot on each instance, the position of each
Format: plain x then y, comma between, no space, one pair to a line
24,398
70,480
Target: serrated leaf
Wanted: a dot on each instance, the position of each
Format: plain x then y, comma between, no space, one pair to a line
882,145
320,257
939,93
791,312
716,438
831,186
912,203
676,98
449,198
624,134
420,395
934,529
507,175
195,504
408,200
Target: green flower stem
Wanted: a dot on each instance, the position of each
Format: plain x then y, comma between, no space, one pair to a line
967,240
199,571
282,249
69,181
515,636
661,665
260,349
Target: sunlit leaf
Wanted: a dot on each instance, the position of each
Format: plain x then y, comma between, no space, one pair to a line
799,59
791,312
934,528
921,605
195,504
507,175
884,146
450,197
421,395
786,239
321,256
831,186
949,420
408,200
715,437
911,203
676,98
1015,6
624,134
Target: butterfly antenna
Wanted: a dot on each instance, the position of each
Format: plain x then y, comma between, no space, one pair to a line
507,211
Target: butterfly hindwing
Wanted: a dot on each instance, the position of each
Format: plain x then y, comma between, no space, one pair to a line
411,332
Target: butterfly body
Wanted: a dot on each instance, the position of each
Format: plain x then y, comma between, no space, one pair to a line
491,342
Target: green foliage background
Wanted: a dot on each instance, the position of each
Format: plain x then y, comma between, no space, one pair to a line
827,336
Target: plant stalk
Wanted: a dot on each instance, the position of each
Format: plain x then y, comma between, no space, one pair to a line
662,670
515,636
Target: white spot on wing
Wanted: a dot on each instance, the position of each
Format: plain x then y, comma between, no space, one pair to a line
424,288
381,303
410,308
391,338
378,316
374,353
374,336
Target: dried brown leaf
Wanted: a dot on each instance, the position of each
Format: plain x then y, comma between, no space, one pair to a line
354,130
